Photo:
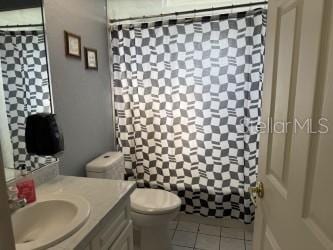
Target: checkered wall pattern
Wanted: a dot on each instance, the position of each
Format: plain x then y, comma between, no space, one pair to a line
26,87
187,100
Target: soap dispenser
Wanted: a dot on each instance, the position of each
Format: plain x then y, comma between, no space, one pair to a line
25,185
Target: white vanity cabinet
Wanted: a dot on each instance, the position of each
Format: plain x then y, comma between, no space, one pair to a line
109,225
115,232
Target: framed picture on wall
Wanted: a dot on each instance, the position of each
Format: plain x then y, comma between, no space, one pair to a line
72,45
91,58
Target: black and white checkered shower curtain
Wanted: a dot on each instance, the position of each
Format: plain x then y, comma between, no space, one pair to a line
187,100
26,87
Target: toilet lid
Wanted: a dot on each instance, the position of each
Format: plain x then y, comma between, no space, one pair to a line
154,201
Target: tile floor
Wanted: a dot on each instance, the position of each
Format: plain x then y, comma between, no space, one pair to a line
193,236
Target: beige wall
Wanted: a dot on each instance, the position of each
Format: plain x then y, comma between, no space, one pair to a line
6,235
133,8
21,17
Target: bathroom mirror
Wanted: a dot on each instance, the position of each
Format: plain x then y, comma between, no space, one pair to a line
25,83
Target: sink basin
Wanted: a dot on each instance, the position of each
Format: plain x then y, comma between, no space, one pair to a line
49,220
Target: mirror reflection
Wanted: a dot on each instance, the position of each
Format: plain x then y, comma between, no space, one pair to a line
24,80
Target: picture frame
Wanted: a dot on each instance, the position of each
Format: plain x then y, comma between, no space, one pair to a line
91,59
72,45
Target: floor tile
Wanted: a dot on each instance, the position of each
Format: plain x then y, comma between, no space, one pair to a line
171,233
185,239
187,226
174,247
248,235
207,242
235,233
248,245
211,230
173,224
231,244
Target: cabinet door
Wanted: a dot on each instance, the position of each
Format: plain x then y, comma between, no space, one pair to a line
125,239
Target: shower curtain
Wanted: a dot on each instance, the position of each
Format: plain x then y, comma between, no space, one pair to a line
26,87
187,97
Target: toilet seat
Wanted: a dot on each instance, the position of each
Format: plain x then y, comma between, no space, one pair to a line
154,201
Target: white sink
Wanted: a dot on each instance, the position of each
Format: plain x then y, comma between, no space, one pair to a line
49,221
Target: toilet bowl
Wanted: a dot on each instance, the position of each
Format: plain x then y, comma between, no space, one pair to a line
151,209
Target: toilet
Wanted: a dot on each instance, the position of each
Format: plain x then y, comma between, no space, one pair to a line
151,209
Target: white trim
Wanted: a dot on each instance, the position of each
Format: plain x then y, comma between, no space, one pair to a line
47,58
6,143
108,33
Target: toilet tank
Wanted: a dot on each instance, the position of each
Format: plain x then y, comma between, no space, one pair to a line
108,166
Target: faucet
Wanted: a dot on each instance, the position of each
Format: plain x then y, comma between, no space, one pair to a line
14,202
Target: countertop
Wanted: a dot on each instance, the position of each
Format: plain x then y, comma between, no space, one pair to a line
102,194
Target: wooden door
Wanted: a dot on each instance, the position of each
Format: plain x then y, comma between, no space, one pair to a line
296,160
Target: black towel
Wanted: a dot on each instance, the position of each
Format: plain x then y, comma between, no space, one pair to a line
42,135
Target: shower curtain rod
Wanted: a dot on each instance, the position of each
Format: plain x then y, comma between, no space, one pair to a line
21,26
190,11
